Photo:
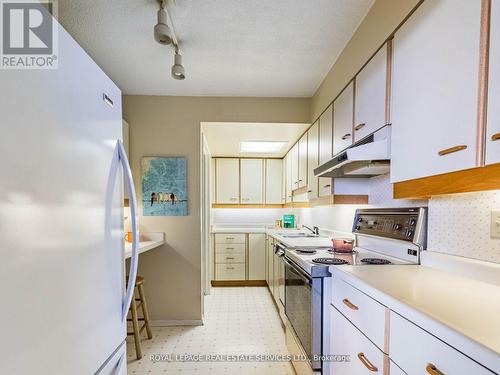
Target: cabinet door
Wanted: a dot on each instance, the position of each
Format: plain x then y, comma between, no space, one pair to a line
365,358
294,165
434,93
325,135
274,172
289,184
276,277
343,119
252,181
370,95
270,264
302,180
227,180
256,256
312,160
283,181
493,129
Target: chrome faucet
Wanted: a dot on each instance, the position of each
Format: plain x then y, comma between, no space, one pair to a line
314,230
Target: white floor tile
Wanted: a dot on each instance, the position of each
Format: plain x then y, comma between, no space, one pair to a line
237,321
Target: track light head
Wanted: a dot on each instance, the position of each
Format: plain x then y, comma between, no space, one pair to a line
177,68
162,32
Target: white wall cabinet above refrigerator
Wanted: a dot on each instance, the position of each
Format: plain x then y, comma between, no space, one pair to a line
227,171
434,92
371,84
325,148
252,181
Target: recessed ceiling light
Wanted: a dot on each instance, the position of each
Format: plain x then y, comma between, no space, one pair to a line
261,147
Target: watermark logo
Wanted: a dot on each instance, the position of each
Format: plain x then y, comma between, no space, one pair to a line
28,34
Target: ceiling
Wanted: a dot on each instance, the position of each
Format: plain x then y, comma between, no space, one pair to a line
281,48
224,138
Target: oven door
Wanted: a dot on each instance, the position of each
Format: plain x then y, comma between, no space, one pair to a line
303,309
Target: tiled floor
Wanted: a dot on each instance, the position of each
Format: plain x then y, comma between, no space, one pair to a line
237,321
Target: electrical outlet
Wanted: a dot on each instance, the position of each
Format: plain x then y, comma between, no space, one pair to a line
495,224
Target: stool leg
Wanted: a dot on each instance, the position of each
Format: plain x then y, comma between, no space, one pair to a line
145,312
135,325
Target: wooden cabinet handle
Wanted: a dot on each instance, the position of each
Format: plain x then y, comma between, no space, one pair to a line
345,136
349,304
327,186
229,268
359,126
451,150
309,191
230,258
431,369
495,137
229,248
366,362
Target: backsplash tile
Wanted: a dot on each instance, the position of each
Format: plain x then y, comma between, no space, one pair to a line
460,225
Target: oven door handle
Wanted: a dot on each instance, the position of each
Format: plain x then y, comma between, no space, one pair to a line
304,276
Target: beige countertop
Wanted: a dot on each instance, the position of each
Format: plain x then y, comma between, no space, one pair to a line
461,311
148,241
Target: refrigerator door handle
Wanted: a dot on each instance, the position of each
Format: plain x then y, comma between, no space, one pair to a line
134,259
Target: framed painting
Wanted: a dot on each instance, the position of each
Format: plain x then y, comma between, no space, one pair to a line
164,186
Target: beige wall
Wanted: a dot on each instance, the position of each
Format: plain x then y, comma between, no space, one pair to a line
382,19
170,126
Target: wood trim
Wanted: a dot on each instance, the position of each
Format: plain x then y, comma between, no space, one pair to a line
388,82
230,283
387,330
237,205
482,89
474,179
325,200
297,205
301,190
126,202
350,199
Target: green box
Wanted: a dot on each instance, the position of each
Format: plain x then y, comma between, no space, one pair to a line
288,221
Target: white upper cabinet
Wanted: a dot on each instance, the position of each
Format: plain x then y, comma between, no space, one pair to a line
312,160
227,180
302,160
252,181
434,92
288,172
274,172
493,129
370,96
325,135
294,165
343,119
325,148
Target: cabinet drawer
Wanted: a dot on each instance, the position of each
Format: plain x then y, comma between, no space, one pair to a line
237,248
234,271
230,238
363,311
346,339
426,350
230,258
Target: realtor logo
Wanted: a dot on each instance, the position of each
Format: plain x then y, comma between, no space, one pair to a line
29,34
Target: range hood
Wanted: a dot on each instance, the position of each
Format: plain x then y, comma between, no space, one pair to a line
368,157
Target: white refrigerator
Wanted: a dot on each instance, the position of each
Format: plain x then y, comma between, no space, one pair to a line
62,266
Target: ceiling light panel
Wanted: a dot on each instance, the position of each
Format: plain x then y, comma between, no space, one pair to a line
261,147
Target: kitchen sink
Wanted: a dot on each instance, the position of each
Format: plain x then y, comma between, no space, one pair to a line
299,235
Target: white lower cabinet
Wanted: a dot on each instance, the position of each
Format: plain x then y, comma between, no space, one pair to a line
427,353
256,256
346,339
230,271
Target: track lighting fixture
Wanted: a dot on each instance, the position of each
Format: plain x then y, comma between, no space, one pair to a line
162,32
177,68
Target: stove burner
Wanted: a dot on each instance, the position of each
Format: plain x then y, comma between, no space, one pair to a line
306,251
330,261
375,261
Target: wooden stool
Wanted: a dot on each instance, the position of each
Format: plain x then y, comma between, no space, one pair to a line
134,306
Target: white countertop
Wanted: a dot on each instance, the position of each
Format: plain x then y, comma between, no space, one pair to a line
148,241
462,311
321,241
242,229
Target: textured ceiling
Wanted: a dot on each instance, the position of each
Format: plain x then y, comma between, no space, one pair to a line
223,138
230,47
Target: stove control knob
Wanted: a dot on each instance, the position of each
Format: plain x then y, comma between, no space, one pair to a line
409,233
360,220
413,221
358,227
397,226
